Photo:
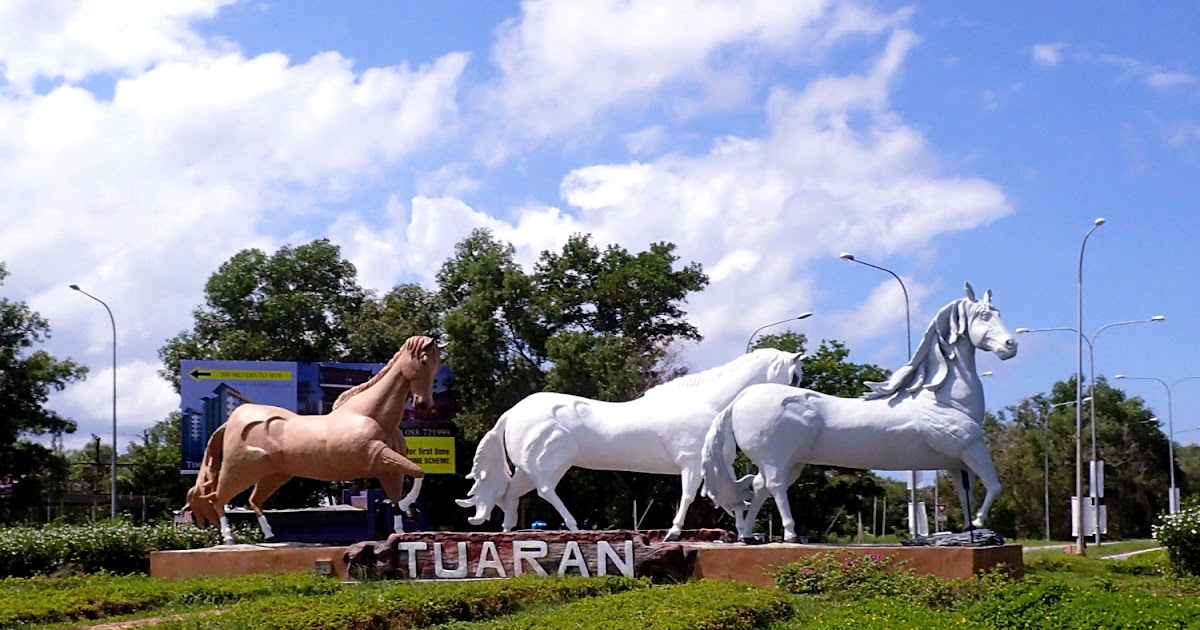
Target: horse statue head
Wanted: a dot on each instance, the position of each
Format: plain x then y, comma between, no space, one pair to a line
968,322
418,361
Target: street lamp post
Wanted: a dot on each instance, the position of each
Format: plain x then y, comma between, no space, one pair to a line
912,475
1046,460
1081,540
1173,492
113,489
1093,485
750,342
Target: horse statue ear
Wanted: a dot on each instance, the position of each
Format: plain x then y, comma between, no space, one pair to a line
987,296
970,292
442,345
429,346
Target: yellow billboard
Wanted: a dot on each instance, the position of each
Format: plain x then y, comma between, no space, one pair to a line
435,455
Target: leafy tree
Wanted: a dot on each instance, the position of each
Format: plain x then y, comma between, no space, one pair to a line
152,467
298,304
90,472
382,325
497,347
603,324
27,377
1027,435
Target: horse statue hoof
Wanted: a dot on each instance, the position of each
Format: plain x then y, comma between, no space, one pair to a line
671,536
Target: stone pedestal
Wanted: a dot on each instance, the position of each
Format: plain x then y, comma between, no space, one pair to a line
436,556
235,560
758,564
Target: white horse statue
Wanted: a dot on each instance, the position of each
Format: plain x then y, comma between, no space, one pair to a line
662,432
927,416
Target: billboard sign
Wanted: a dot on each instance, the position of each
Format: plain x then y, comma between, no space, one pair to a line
210,390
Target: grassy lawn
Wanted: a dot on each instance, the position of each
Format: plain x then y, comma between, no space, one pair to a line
1122,546
1058,592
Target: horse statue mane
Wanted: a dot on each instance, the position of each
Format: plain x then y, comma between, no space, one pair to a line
938,344
412,345
688,381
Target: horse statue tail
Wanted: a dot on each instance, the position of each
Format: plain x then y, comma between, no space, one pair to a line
491,474
200,496
719,483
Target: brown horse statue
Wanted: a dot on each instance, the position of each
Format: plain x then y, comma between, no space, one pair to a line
264,446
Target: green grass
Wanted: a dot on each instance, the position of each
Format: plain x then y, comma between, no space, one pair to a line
1059,592
402,604
1123,546
701,605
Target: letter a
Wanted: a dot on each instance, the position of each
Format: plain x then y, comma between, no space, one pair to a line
489,558
573,557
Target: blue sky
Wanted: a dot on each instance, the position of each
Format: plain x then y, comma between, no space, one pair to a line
147,142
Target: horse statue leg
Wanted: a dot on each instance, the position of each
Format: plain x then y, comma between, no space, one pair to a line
520,485
263,491
745,521
976,458
777,481
393,486
690,478
546,480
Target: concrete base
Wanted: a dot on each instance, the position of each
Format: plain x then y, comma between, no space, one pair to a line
757,564
234,560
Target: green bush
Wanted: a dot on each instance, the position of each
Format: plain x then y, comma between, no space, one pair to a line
853,576
880,614
1180,534
113,546
702,605
1054,605
402,604
54,600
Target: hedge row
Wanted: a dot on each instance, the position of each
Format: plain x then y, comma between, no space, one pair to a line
112,546
55,600
703,605
407,604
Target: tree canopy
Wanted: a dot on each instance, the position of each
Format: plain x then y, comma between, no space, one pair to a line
27,378
1027,436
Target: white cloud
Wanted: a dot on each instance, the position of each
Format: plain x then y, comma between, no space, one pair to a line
142,400
140,197
645,140
1168,79
1149,74
756,212
1184,133
564,62
882,314
450,180
1048,55
63,39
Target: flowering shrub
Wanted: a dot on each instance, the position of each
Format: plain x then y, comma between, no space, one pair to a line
113,546
831,573
1180,534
